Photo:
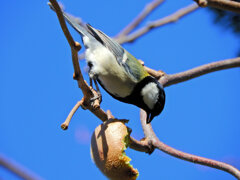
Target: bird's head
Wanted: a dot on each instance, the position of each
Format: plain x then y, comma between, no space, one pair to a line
153,98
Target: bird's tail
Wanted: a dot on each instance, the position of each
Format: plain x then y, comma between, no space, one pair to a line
80,28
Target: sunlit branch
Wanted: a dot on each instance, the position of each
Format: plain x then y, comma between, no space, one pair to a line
220,4
88,92
65,125
171,79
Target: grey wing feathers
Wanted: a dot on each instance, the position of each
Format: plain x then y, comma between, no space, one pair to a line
109,43
118,51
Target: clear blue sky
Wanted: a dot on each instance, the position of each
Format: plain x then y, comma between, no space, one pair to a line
37,91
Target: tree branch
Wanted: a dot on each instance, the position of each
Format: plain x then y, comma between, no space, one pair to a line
17,169
156,143
65,125
123,37
171,79
220,4
166,20
142,145
88,91
148,9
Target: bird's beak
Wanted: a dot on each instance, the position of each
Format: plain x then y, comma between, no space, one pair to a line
149,118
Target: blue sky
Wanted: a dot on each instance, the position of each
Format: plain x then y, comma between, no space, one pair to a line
37,91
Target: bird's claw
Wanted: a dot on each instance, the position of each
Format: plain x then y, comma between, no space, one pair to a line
97,97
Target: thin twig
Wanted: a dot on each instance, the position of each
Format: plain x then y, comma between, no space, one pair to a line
220,4
148,9
65,125
153,139
166,20
17,169
154,73
171,79
123,37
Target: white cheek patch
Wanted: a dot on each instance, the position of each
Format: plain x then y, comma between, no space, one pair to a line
150,94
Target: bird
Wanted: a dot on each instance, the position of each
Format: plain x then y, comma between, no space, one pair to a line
118,72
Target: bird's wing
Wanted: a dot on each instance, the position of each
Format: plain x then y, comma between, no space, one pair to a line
131,65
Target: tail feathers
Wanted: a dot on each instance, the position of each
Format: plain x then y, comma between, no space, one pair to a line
73,22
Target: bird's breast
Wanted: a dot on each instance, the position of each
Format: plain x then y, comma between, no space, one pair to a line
111,75
116,86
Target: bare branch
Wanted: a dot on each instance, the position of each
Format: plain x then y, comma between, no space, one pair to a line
122,37
88,91
166,20
75,46
154,73
220,4
142,145
151,136
55,7
65,125
17,169
171,79
148,9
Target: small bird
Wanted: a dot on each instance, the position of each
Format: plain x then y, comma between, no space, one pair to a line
119,72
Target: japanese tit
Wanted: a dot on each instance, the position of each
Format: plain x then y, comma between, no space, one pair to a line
118,72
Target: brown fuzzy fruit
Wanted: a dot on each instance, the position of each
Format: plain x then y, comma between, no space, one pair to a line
108,143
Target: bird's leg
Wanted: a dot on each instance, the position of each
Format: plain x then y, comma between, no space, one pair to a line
90,82
98,90
99,95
